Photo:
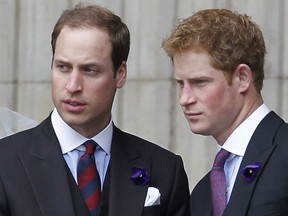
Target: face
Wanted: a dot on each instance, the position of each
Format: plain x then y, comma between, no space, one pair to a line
83,79
210,105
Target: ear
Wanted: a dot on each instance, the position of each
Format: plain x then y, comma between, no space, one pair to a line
121,75
245,77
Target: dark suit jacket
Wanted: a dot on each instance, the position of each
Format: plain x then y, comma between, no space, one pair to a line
35,179
267,194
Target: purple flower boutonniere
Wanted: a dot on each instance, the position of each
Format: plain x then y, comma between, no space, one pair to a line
250,171
140,176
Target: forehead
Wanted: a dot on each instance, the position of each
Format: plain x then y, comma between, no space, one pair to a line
84,35
83,42
193,65
191,60
193,56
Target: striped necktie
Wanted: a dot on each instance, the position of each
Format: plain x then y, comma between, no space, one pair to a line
88,178
218,183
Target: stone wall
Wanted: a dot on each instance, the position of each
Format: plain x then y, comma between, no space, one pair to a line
148,105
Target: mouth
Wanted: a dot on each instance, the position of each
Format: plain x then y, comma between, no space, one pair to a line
73,105
73,102
192,115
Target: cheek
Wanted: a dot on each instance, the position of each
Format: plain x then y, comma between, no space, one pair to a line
216,99
100,87
56,79
57,83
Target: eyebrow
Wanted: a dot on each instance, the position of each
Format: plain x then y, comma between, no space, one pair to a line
193,78
60,60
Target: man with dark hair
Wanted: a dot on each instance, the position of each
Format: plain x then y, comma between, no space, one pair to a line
77,162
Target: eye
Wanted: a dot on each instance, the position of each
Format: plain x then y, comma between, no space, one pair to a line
180,83
200,82
90,70
63,67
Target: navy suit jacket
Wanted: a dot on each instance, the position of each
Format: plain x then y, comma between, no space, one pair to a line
35,179
267,193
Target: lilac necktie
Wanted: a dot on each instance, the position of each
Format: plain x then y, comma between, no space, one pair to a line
218,183
88,178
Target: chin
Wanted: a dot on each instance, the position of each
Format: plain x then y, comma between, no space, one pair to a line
198,130
72,119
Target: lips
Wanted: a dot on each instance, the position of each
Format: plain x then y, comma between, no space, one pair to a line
192,115
73,105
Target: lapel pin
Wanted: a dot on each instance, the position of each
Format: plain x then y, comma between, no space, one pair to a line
140,176
250,171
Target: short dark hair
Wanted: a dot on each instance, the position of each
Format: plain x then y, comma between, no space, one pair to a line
96,16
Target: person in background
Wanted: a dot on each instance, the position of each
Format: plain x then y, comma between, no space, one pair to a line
218,57
12,122
77,162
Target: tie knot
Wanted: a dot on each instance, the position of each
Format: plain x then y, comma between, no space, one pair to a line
90,147
220,158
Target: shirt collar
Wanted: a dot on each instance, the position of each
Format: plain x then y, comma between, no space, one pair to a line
70,139
238,141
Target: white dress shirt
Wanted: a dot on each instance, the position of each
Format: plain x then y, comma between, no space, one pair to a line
71,144
237,143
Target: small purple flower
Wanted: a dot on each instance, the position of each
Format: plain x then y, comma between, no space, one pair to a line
250,171
140,176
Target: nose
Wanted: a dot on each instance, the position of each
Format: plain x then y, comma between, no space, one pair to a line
186,96
74,83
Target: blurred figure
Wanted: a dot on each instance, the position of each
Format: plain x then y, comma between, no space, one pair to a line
12,122
218,58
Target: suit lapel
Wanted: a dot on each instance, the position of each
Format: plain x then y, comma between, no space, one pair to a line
125,197
47,172
259,149
201,201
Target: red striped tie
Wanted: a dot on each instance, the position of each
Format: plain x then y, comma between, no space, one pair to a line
88,178
218,183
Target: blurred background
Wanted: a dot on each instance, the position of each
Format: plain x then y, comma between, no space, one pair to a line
148,105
